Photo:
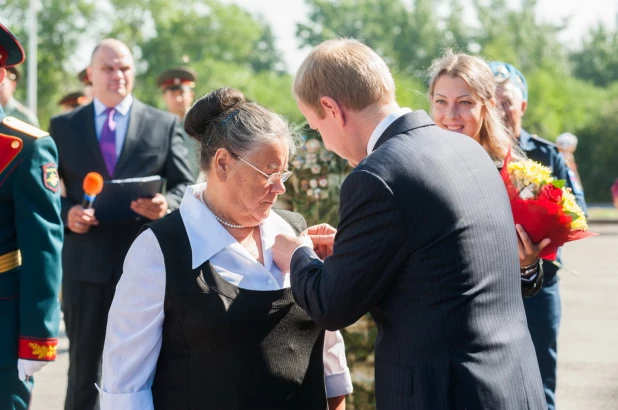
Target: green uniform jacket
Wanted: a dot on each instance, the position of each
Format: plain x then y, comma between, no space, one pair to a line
31,235
16,109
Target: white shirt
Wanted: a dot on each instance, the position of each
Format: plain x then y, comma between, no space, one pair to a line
383,125
133,338
121,116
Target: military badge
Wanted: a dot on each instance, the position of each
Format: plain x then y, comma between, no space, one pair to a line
51,180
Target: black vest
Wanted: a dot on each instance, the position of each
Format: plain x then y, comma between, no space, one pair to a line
228,348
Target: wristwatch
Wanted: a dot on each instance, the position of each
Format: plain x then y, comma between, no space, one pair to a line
531,279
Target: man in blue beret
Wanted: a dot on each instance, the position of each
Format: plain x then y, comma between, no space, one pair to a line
543,310
31,235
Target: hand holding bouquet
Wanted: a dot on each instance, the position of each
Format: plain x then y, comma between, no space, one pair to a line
542,205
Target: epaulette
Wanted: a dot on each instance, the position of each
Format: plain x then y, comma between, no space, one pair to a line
23,127
543,140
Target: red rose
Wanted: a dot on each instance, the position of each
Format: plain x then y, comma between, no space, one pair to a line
550,193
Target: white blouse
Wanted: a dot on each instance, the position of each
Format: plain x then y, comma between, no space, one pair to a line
134,327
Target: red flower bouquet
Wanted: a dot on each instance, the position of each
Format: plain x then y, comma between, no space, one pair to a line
543,206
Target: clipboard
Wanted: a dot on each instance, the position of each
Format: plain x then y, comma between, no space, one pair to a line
114,201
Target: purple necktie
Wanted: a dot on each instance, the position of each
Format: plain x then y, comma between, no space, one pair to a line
108,140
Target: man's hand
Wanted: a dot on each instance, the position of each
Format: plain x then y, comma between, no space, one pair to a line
528,251
151,208
80,220
26,368
323,238
284,248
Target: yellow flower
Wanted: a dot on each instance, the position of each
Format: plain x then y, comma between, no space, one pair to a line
570,205
42,351
529,172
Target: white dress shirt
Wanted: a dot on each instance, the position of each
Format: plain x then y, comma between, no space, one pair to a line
121,116
383,125
134,327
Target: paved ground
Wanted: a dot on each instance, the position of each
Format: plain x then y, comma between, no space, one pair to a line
588,345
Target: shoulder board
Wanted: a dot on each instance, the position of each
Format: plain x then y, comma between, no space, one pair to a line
25,128
542,140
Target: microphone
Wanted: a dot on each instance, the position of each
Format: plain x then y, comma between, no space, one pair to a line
93,185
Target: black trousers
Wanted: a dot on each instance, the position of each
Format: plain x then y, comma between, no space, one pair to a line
85,307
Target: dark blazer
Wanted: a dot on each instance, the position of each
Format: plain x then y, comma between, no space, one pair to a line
426,242
153,146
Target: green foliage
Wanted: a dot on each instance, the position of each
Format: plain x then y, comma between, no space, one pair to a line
61,26
597,60
597,154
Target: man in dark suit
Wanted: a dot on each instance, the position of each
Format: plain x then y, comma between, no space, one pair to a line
118,137
426,243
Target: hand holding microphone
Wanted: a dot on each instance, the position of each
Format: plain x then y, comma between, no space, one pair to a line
81,217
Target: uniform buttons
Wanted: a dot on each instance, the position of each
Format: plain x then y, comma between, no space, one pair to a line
15,144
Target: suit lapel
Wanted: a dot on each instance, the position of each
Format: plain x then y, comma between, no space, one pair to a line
87,123
136,119
405,123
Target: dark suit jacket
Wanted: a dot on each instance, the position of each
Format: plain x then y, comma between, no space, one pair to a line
426,242
153,146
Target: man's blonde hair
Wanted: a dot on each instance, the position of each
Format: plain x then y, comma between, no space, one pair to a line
347,71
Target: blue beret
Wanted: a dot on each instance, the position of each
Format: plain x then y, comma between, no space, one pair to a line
507,72
11,52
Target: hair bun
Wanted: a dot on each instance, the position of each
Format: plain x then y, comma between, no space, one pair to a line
209,108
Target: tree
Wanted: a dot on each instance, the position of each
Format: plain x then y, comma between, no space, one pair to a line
408,38
515,36
597,59
61,26
597,151
217,40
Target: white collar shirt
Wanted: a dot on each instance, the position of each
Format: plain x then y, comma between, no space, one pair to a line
383,125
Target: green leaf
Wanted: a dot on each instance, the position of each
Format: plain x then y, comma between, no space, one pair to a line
558,183
573,216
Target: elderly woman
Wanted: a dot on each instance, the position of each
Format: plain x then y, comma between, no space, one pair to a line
202,317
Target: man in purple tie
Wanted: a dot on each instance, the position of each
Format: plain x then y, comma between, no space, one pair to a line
119,137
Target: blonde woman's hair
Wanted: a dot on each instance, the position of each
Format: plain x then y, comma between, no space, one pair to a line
347,71
494,136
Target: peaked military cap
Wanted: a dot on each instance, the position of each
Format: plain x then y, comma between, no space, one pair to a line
507,72
73,99
177,78
11,51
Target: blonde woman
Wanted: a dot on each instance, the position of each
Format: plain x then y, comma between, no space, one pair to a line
462,93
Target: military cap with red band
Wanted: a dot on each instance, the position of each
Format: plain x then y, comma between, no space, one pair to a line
176,78
11,51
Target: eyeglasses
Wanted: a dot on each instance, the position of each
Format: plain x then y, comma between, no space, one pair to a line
272,178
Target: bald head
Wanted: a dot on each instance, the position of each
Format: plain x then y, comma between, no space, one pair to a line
111,72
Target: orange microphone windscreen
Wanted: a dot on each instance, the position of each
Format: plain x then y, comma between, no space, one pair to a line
93,183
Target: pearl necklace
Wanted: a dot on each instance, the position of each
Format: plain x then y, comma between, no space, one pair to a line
226,223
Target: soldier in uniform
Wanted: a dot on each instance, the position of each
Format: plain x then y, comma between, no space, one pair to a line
31,235
543,311
71,101
10,105
85,80
177,86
